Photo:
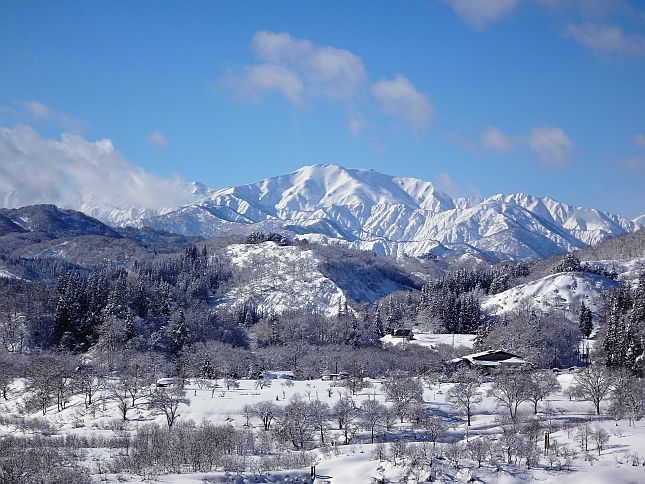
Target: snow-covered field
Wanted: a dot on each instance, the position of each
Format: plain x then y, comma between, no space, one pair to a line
431,340
355,463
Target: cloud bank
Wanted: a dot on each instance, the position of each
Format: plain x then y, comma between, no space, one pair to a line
76,173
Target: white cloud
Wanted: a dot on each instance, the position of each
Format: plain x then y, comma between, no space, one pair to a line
552,145
41,112
303,73
355,125
258,79
479,13
639,140
444,183
36,109
607,39
398,97
75,173
326,71
494,139
458,140
157,139
299,70
589,8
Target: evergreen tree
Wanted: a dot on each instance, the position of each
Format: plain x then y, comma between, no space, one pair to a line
177,332
585,320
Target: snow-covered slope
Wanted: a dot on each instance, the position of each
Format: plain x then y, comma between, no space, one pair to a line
281,278
394,216
7,275
565,291
640,220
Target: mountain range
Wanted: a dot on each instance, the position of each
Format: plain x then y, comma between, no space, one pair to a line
392,216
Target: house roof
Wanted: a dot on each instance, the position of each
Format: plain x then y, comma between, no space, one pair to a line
491,358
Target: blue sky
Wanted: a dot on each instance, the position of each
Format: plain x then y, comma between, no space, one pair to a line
481,96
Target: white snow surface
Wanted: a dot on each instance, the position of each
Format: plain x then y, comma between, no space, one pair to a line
8,275
390,215
564,290
278,278
355,463
431,340
627,270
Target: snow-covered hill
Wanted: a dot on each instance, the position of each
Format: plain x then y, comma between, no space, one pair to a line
279,278
394,216
565,291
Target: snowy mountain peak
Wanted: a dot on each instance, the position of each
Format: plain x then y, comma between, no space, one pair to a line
315,186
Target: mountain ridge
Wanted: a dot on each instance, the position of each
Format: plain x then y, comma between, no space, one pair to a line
393,216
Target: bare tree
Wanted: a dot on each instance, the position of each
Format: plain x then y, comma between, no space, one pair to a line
167,401
628,398
48,378
594,384
8,371
231,383
510,390
89,380
120,393
600,436
319,412
371,413
402,392
583,432
435,427
295,423
478,449
355,384
262,383
465,394
266,411
541,384
346,412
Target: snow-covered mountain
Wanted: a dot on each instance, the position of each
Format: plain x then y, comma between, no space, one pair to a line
389,215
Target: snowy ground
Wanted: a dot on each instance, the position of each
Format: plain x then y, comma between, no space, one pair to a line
431,340
355,463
